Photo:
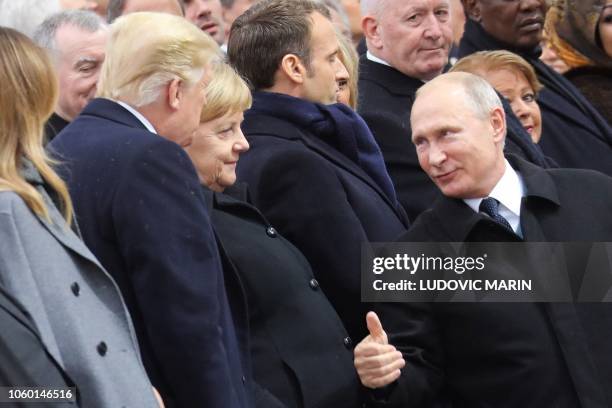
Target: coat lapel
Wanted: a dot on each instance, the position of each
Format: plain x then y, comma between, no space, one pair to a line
280,128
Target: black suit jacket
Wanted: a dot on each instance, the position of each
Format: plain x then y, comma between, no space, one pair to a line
385,101
139,206
574,133
509,354
297,343
24,358
322,202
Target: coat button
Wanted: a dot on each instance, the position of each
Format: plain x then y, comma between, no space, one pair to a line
75,289
314,284
271,232
348,342
102,348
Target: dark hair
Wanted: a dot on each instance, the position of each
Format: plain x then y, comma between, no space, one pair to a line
265,33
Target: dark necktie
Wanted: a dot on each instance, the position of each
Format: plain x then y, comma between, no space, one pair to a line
490,206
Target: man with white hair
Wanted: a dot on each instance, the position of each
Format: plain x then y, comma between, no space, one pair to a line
408,44
75,40
140,209
487,354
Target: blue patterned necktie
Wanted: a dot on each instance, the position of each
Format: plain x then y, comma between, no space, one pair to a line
490,206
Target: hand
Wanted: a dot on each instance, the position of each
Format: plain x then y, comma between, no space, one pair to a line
378,363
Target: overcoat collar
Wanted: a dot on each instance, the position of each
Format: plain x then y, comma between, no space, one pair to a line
266,125
111,110
458,219
56,224
390,78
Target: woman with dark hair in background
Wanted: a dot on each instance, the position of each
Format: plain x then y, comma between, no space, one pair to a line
581,35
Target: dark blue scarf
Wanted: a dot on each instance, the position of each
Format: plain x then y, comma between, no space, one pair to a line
337,125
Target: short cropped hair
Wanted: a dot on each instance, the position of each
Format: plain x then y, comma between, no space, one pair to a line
226,93
147,50
265,33
488,61
479,94
84,20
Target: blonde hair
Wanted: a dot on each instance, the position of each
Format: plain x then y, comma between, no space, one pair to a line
348,56
27,101
482,62
226,93
147,50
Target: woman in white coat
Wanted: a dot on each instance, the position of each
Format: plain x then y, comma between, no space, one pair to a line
74,303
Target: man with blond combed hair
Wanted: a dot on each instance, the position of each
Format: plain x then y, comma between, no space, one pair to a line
140,209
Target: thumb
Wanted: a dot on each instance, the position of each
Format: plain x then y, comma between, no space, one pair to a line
375,328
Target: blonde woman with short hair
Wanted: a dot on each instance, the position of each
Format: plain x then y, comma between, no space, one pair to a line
285,303
514,79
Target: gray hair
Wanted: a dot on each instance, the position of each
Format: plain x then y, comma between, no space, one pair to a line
481,96
372,7
26,15
84,20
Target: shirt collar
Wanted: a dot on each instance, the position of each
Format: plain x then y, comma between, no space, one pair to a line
138,116
374,58
509,191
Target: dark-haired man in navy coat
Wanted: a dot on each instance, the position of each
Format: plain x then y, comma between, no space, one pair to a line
313,169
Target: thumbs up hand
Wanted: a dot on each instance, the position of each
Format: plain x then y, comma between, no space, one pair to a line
378,363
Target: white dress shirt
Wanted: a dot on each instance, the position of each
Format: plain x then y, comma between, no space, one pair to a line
374,58
509,191
138,116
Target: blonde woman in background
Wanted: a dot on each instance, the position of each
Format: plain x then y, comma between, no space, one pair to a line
514,79
74,303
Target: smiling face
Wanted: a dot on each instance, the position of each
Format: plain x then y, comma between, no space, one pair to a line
415,36
215,150
461,152
518,23
80,54
516,89
605,28
208,15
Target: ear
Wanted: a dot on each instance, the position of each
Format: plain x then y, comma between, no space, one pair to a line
175,93
498,123
293,68
472,9
371,30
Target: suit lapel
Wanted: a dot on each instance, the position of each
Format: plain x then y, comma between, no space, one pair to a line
390,78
